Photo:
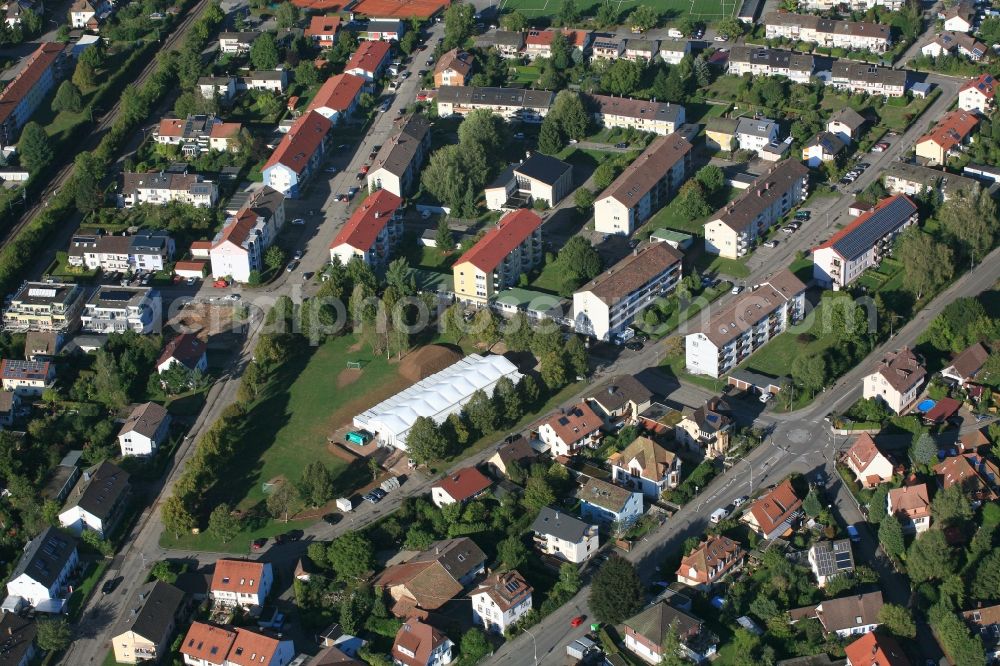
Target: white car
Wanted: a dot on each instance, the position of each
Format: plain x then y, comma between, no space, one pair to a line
298,222
771,244
674,33
736,289
721,38
765,397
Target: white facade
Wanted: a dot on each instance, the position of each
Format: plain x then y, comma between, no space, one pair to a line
77,520
244,597
575,552
877,386
754,134
44,598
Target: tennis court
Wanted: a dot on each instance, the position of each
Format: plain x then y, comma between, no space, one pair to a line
704,10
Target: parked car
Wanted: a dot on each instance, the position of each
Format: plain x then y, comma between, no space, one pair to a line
297,255
765,397
577,621
292,265
330,169
191,281
634,345
298,222
853,533
803,215
621,145
110,585
258,543
721,38
771,244
736,289
739,501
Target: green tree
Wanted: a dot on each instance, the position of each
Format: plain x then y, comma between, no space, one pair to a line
924,450
877,505
929,557
67,98
616,591
511,553
53,634
281,500
84,75
274,258
950,507
809,372
176,517
622,77
671,648
927,264
34,147
691,202
474,646
517,333
643,17
812,504
315,487
554,371
459,25
162,571
897,620
550,139
570,115
986,579
515,21
711,178
584,200
485,129
538,493
729,27
970,219
569,13
306,73
224,523
576,356
264,52
607,15
486,327
443,239
481,412
351,555
425,442
890,535
286,14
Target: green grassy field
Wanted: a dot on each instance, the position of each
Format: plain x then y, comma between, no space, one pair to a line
706,10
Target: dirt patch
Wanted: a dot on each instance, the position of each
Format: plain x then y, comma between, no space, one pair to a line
426,361
348,376
356,347
340,451
208,319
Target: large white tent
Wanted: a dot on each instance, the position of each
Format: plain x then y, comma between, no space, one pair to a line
436,397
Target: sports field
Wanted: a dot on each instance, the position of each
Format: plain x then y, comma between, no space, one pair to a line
704,10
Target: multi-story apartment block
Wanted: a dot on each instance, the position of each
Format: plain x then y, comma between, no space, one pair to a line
604,307
623,112
952,132
160,188
745,324
145,251
762,61
863,243
239,248
861,77
241,583
198,134
734,229
22,96
511,103
512,247
397,165
45,306
145,633
913,179
114,309
372,232
977,95
644,187
562,536
369,60
855,35
500,601
299,153
338,97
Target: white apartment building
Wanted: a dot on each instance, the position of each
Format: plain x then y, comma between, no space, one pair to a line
569,429
564,537
896,381
159,188
744,325
604,307
500,601
863,243
643,187
860,77
623,112
913,179
978,94
239,248
372,232
397,166
241,583
756,133
538,178
854,35
734,229
45,306
42,575
144,430
763,61
237,42
672,51
97,501
114,309
510,103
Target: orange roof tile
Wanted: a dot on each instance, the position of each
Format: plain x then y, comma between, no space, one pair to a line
241,576
875,650
951,130
322,26
338,93
301,142
369,56
463,484
208,642
39,62
171,127
368,220
574,424
252,649
501,240
776,506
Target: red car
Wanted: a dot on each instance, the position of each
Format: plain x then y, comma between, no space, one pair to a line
220,284
364,169
577,621
257,544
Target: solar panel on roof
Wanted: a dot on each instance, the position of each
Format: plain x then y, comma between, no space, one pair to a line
882,222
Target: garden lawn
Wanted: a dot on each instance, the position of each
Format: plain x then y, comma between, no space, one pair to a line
669,216
239,544
776,357
524,75
549,280
899,118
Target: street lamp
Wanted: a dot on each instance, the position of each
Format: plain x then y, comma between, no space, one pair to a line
534,645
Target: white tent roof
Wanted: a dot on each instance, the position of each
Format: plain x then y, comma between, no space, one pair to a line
436,396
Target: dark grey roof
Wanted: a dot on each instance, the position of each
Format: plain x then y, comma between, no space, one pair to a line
145,419
560,525
620,390
866,73
150,242
501,180
17,635
399,151
543,168
459,556
833,557
831,143
776,58
501,38
531,99
99,490
876,224
848,116
45,556
152,612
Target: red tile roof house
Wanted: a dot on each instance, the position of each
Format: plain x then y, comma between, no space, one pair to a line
569,430
369,60
22,96
459,486
912,506
241,583
26,378
338,98
420,644
875,650
299,154
211,645
500,601
710,562
944,410
870,466
323,30
775,512
966,365
538,43
186,349
978,477
372,232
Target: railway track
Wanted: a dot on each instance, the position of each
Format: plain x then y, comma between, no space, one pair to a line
105,122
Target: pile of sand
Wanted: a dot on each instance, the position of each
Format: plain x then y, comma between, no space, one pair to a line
425,361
